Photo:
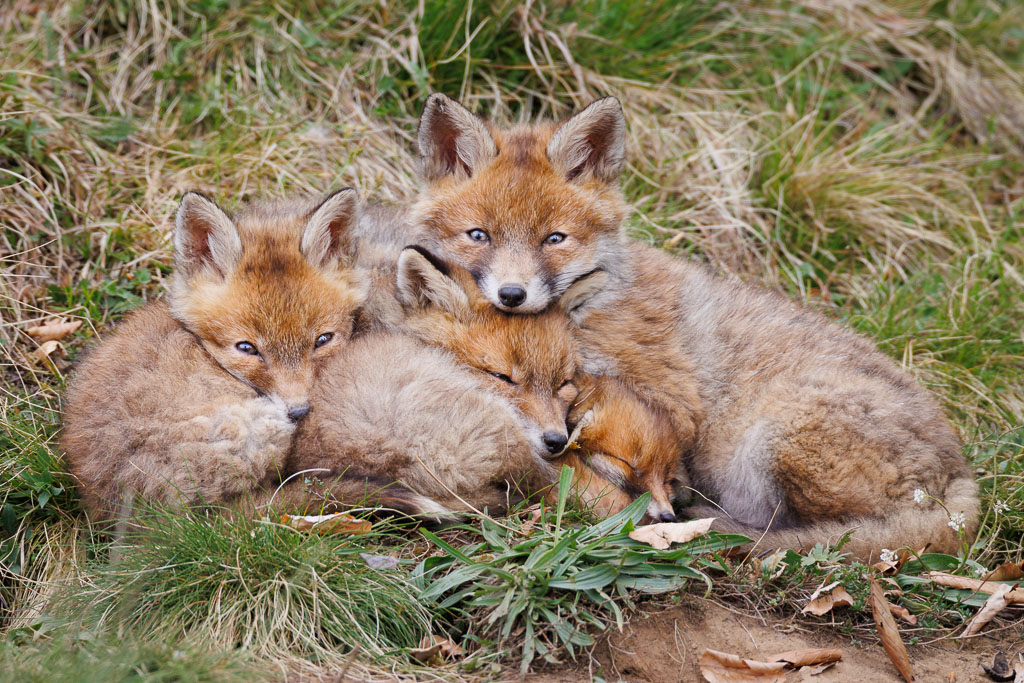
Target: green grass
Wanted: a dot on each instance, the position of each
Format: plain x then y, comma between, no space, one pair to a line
552,585
865,158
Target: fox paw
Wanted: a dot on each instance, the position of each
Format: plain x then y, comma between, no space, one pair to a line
257,430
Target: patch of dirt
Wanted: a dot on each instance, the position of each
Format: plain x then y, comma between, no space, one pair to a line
667,645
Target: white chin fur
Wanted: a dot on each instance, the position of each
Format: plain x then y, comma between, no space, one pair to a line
538,295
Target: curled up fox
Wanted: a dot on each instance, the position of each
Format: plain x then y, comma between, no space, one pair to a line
436,360
794,430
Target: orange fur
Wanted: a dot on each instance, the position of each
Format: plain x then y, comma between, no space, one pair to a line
784,419
169,407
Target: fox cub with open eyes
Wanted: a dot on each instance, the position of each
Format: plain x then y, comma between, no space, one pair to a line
531,362
797,429
196,399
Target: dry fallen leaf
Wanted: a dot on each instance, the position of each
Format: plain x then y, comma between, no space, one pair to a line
943,579
1000,669
888,632
808,657
435,650
824,603
42,354
722,667
1011,571
903,613
339,523
379,562
888,568
820,669
661,536
527,528
995,604
53,331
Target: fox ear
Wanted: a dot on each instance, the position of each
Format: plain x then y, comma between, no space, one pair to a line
423,282
452,141
593,140
204,237
582,292
327,238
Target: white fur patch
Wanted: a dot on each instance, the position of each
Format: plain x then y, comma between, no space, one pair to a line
538,294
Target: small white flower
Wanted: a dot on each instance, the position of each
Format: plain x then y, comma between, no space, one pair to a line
957,521
919,495
1001,507
980,572
888,555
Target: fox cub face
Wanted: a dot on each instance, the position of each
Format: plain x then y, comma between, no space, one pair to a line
530,360
269,293
526,210
629,443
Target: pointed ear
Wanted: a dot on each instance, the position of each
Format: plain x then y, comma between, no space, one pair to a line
593,141
327,238
582,292
423,283
452,140
204,237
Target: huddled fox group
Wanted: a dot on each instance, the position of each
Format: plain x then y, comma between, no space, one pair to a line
453,354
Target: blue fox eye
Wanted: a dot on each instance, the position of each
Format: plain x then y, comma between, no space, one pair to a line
555,238
323,339
247,348
478,235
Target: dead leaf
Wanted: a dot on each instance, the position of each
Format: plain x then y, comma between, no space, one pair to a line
722,667
435,650
808,657
379,562
893,567
42,354
903,613
527,528
977,585
995,604
824,604
53,331
820,669
888,632
1000,669
338,523
661,536
1011,571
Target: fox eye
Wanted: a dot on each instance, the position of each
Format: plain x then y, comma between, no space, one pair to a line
478,235
503,378
323,339
555,238
247,348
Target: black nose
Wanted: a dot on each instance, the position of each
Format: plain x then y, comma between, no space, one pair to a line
511,295
554,441
666,517
296,413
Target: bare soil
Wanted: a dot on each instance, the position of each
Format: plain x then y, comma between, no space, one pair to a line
666,646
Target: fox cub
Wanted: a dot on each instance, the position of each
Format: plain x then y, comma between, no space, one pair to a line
788,422
625,447
531,363
197,400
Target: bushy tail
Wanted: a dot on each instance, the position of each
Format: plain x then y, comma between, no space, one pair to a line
912,525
